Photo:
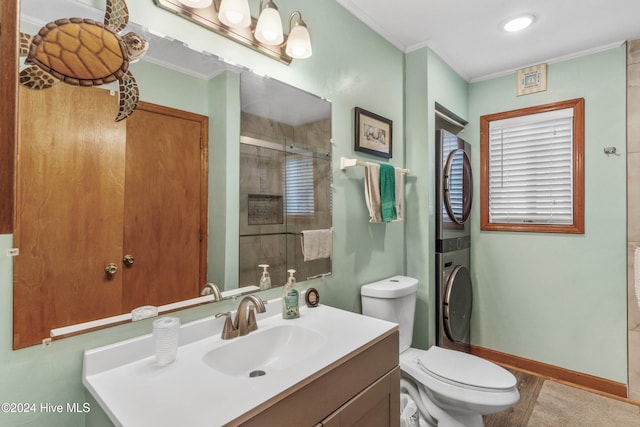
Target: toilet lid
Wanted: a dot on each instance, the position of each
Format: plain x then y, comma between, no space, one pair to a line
466,369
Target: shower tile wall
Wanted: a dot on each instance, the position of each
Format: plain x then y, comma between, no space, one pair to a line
633,211
261,173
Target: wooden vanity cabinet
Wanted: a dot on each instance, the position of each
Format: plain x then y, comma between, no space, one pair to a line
373,407
361,389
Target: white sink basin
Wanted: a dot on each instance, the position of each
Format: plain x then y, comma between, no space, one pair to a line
209,383
265,351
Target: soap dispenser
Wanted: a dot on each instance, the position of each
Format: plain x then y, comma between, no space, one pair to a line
290,298
265,280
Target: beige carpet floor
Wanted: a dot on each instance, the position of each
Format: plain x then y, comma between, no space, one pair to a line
546,403
561,405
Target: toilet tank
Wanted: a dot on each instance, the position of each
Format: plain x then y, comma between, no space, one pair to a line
394,300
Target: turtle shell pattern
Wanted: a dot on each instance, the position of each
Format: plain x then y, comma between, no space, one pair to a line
80,52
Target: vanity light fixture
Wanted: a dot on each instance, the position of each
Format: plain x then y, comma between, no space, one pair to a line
235,13
517,23
232,19
269,27
299,41
196,4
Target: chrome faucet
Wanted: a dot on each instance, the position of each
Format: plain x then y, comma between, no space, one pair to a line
211,289
243,323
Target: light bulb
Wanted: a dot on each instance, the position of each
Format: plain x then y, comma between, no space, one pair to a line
299,41
269,27
234,16
235,13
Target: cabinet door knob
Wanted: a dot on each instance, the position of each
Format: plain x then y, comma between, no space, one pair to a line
111,269
128,260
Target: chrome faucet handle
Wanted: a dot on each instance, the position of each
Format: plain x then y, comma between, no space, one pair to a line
228,331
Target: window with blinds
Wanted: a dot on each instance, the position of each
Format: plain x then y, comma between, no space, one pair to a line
299,186
532,169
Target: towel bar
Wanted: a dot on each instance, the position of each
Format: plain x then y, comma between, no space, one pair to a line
346,162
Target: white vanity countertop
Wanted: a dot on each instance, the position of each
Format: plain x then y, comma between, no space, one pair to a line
134,391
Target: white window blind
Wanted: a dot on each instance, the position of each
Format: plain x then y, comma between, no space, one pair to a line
299,186
531,169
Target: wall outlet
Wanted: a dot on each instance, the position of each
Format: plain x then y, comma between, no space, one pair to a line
13,252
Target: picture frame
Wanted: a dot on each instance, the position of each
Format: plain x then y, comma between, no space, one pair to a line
373,133
531,79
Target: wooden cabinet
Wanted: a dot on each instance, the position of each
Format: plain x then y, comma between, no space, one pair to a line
362,389
89,192
373,407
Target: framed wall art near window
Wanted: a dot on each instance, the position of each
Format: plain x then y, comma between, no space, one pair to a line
531,80
373,133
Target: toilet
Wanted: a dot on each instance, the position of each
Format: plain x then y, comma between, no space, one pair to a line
450,388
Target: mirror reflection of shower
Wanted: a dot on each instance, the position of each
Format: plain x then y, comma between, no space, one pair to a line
285,180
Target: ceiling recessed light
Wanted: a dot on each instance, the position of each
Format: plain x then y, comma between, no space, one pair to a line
517,23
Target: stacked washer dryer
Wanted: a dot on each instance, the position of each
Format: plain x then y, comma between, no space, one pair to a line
454,196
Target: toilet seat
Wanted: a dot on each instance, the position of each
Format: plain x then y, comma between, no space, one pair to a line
453,393
465,370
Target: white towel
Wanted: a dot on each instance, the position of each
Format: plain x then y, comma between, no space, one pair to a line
372,191
316,244
399,184
636,273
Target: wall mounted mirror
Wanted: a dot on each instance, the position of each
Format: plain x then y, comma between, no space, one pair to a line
181,92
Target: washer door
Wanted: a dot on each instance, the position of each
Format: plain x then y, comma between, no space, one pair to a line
458,186
457,302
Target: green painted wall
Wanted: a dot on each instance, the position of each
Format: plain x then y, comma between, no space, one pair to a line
351,66
224,163
428,79
560,299
552,298
419,221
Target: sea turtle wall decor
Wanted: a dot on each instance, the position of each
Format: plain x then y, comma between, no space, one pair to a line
83,52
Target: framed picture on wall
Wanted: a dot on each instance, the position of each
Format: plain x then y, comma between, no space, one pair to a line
373,133
531,80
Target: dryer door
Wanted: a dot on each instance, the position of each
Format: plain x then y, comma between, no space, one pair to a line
458,186
457,303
